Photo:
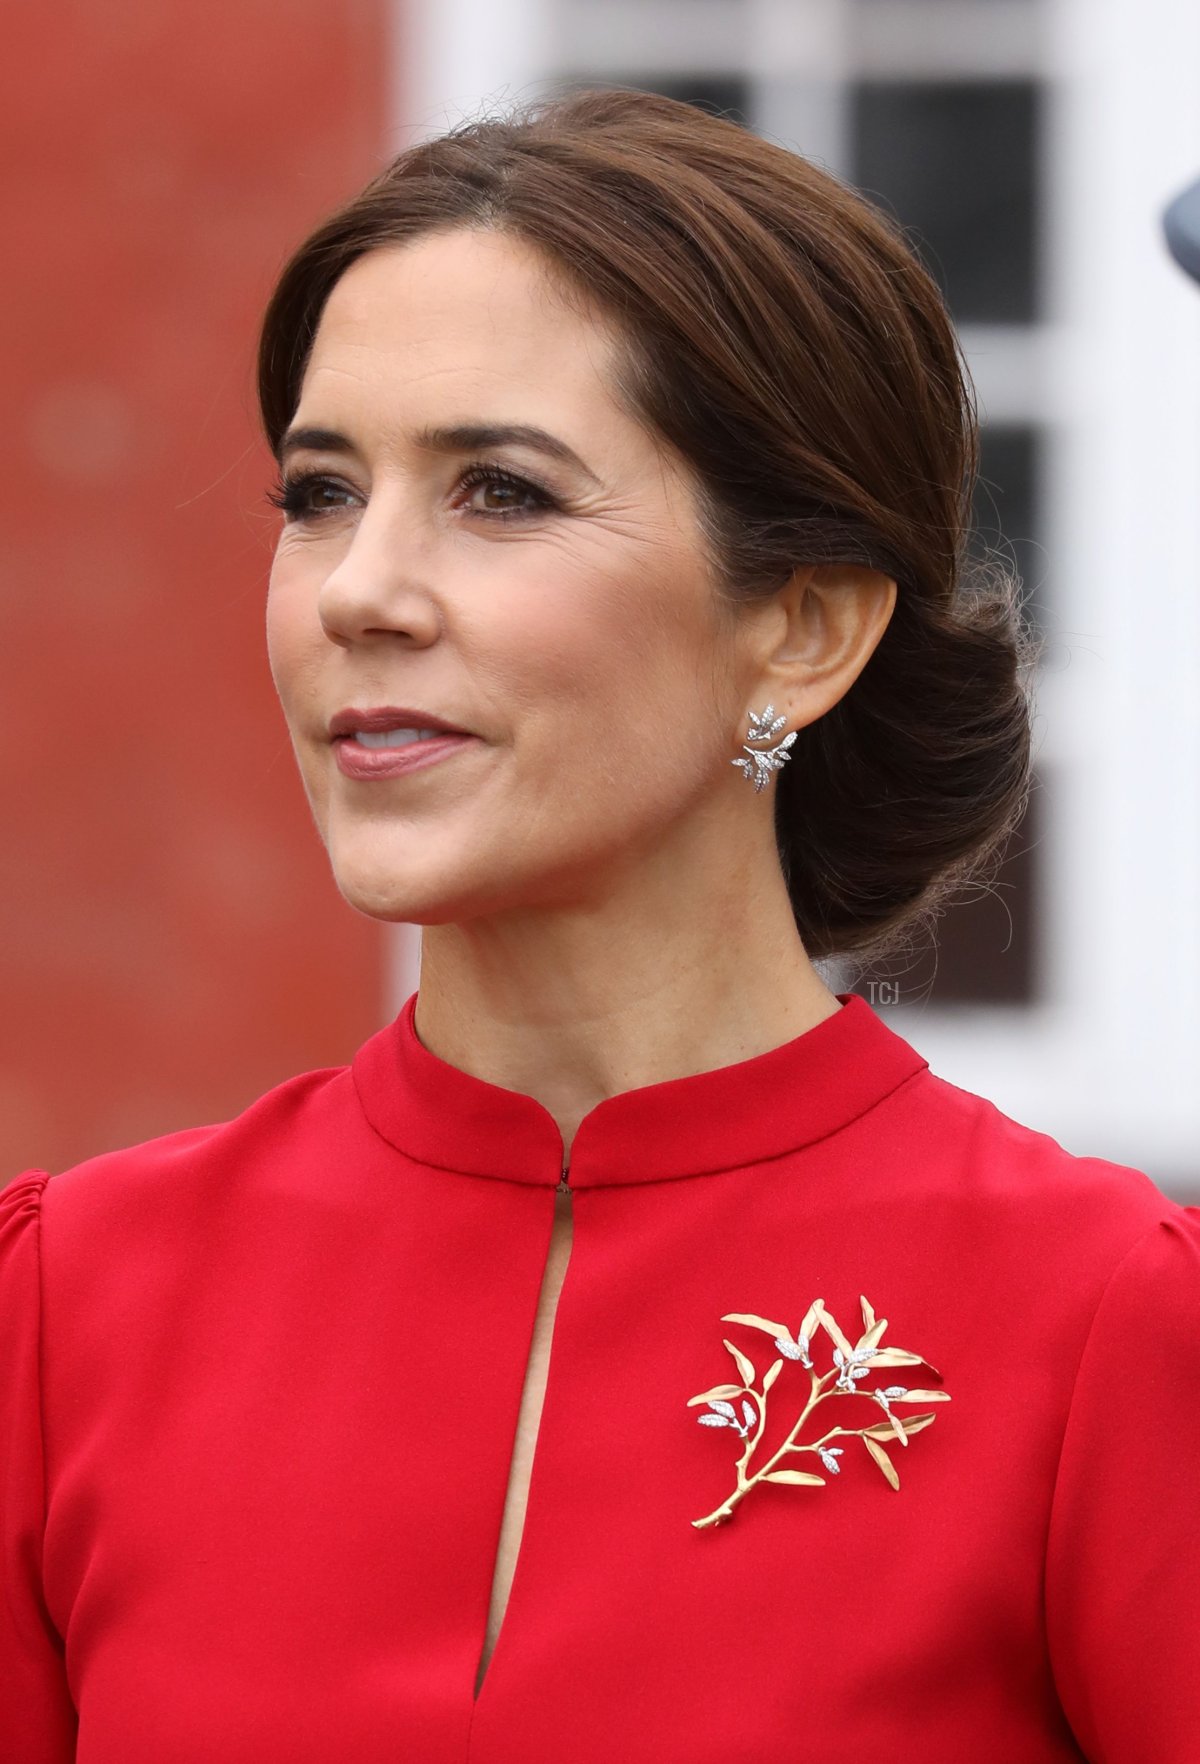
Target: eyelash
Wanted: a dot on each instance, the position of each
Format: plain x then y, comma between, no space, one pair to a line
290,493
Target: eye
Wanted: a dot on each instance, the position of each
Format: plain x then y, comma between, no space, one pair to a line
291,494
511,482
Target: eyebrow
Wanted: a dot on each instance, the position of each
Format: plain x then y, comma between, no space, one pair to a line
456,438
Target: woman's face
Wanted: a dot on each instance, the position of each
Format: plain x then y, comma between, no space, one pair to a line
559,609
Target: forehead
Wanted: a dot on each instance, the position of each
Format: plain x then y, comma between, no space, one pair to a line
463,314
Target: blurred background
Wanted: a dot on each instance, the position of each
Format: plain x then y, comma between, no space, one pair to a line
173,943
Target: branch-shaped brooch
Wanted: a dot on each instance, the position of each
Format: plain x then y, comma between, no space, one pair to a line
851,1364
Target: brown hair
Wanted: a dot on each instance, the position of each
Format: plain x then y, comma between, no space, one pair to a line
781,334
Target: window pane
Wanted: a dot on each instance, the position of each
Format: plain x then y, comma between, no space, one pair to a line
955,163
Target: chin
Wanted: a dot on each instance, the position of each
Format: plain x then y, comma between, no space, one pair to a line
401,891
394,898
407,877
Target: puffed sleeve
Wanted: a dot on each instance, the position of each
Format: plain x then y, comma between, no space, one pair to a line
1123,1558
37,1716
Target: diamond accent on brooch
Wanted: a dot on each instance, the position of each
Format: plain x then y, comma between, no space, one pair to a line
759,767
852,1362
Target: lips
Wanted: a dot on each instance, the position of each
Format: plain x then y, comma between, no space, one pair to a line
379,720
361,744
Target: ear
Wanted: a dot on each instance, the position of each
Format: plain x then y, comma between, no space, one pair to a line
818,633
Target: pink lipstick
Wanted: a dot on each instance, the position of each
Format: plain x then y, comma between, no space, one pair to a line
387,741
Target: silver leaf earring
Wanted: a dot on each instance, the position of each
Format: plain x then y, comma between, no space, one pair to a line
759,766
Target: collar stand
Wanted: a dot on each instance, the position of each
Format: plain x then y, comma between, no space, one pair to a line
723,1119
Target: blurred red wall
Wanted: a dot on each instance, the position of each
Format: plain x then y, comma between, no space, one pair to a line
172,942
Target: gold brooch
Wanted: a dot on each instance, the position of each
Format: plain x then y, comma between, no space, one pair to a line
850,1366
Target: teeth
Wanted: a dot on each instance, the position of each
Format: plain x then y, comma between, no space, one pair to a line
394,737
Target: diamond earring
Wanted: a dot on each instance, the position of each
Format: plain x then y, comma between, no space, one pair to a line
759,766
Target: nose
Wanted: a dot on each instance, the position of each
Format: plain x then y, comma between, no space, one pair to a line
378,589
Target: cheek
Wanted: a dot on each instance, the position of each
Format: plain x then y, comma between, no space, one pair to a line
650,670
569,675
290,621
612,697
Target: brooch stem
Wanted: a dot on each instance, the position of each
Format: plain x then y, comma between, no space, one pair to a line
746,1483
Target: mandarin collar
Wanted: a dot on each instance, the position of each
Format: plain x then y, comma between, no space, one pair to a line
701,1124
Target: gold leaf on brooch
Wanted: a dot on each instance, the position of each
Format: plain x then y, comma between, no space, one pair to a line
882,1459
852,1364
744,1366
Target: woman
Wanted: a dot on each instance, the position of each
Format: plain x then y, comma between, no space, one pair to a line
621,624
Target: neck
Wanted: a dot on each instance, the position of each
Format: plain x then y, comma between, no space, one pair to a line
577,1003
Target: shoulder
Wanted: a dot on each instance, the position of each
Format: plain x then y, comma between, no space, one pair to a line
1076,1213
300,1115
20,1213
155,1228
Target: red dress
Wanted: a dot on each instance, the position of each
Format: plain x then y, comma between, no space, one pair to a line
260,1385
